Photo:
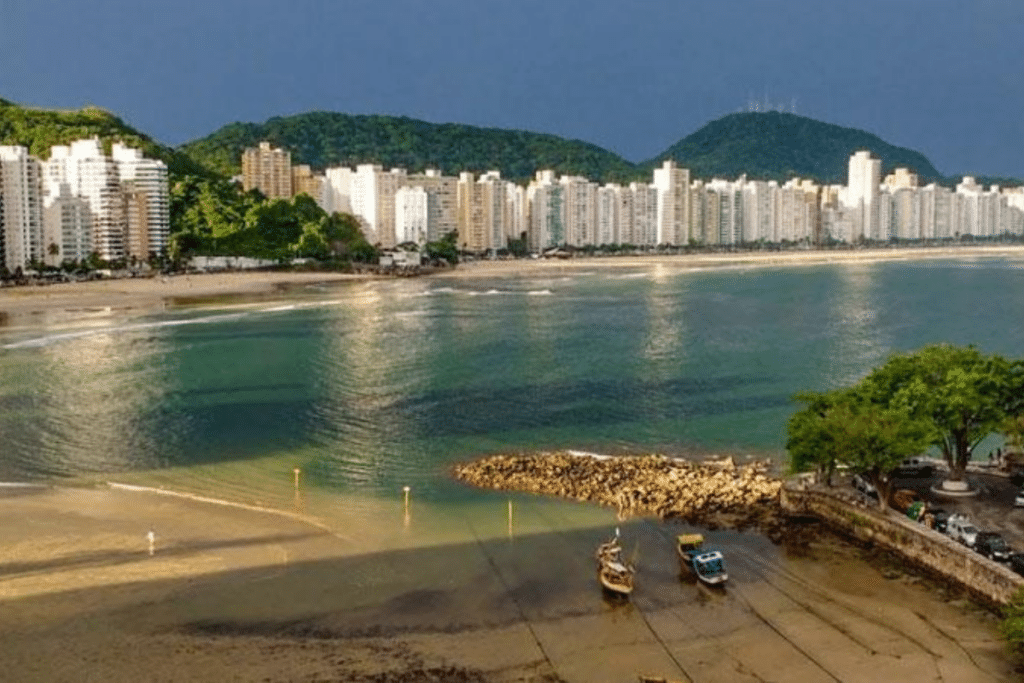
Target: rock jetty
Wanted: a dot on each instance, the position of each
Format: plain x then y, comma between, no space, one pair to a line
635,485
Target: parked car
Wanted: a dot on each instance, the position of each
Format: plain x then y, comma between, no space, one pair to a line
991,545
961,529
914,467
861,483
1017,563
1018,501
940,517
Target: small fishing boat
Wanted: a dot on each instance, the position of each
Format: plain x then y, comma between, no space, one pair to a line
708,565
614,575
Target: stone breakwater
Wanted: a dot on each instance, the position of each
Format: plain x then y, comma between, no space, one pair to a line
643,485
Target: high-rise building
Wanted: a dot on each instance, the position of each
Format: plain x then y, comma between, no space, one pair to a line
336,193
673,185
67,225
411,215
442,201
21,208
579,210
608,222
373,201
304,181
267,169
93,176
862,194
547,220
147,201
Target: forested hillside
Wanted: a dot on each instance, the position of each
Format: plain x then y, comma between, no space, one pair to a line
779,146
323,139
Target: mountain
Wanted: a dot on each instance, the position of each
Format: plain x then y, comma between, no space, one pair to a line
40,129
323,139
778,146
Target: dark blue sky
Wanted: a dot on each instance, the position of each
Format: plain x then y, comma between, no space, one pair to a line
944,77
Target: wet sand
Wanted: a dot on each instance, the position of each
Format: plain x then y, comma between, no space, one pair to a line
239,594
143,295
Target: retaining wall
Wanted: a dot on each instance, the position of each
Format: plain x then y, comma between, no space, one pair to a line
987,579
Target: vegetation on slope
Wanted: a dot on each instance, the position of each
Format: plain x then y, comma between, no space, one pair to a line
779,146
41,129
324,139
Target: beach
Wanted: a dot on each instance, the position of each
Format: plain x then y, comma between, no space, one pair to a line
232,593
339,586
145,295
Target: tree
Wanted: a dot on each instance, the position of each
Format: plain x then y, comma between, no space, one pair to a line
812,434
445,249
963,393
845,427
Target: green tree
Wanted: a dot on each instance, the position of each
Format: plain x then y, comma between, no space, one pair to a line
446,249
845,427
964,394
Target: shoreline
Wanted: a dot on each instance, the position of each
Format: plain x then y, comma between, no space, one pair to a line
76,557
146,295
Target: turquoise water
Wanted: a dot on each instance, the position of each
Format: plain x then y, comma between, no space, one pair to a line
369,386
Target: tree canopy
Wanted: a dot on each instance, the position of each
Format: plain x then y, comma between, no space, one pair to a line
944,396
214,217
845,427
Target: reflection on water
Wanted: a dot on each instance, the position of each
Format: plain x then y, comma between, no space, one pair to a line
384,384
853,324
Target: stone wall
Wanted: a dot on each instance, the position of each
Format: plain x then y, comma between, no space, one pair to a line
930,549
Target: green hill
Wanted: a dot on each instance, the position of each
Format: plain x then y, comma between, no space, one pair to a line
41,129
324,139
778,146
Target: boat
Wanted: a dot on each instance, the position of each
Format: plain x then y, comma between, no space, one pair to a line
614,575
708,565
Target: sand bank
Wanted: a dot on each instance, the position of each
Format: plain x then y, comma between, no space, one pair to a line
147,294
752,259
141,295
235,594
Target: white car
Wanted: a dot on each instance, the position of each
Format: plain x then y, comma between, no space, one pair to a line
861,483
960,528
1018,501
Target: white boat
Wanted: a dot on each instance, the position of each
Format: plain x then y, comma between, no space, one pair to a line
708,565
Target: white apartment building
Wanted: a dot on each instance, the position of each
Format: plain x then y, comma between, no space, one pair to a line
517,211
373,201
579,206
547,221
336,192
482,211
608,219
92,175
673,221
67,223
442,201
21,219
411,215
645,214
861,194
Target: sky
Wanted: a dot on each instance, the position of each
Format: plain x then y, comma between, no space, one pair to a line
943,77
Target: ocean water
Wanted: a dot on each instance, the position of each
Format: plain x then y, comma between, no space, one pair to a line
367,387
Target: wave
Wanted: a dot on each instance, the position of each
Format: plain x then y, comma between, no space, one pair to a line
39,342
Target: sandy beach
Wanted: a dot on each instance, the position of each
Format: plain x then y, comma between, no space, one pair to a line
143,295
236,593
239,594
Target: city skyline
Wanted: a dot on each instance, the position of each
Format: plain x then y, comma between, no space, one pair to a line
940,77
551,211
